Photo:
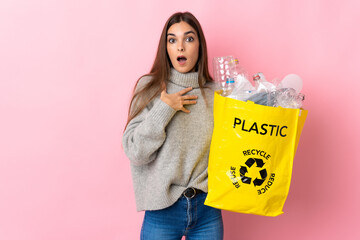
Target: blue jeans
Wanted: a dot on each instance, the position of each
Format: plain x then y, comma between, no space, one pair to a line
186,217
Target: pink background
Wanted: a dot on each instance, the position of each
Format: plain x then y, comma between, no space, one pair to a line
67,69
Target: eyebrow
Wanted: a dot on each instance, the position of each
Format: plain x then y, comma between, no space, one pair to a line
186,33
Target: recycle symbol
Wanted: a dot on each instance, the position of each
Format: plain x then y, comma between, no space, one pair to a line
250,162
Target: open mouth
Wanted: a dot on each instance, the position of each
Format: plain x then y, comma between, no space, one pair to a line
181,59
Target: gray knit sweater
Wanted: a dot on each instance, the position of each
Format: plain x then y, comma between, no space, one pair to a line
168,149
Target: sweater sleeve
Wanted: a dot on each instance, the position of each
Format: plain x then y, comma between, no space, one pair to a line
145,133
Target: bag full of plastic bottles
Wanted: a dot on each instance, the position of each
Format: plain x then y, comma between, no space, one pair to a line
257,128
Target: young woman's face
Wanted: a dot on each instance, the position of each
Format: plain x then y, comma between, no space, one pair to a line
183,47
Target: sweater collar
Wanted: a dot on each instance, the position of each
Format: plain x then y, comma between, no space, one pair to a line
189,79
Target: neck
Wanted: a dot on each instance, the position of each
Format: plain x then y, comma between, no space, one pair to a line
189,79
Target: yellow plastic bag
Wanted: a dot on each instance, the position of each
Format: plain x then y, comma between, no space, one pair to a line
251,156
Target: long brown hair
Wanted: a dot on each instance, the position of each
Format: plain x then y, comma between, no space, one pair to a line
160,71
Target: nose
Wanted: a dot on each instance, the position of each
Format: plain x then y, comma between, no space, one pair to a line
180,47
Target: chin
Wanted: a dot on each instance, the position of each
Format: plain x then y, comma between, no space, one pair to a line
184,69
181,70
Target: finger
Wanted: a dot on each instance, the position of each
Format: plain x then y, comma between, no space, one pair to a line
189,102
185,110
164,91
190,97
182,92
163,85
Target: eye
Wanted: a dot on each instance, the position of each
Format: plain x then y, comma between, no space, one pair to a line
171,40
190,39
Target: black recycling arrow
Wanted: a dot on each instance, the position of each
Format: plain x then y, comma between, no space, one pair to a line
246,180
243,170
259,162
258,182
263,174
249,162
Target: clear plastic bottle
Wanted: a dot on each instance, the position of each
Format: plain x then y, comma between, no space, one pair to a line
265,91
224,73
243,88
229,87
291,81
299,100
261,84
288,98
235,71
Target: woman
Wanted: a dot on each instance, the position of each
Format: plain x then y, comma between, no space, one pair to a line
168,134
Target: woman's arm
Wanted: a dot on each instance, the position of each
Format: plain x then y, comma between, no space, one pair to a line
145,133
